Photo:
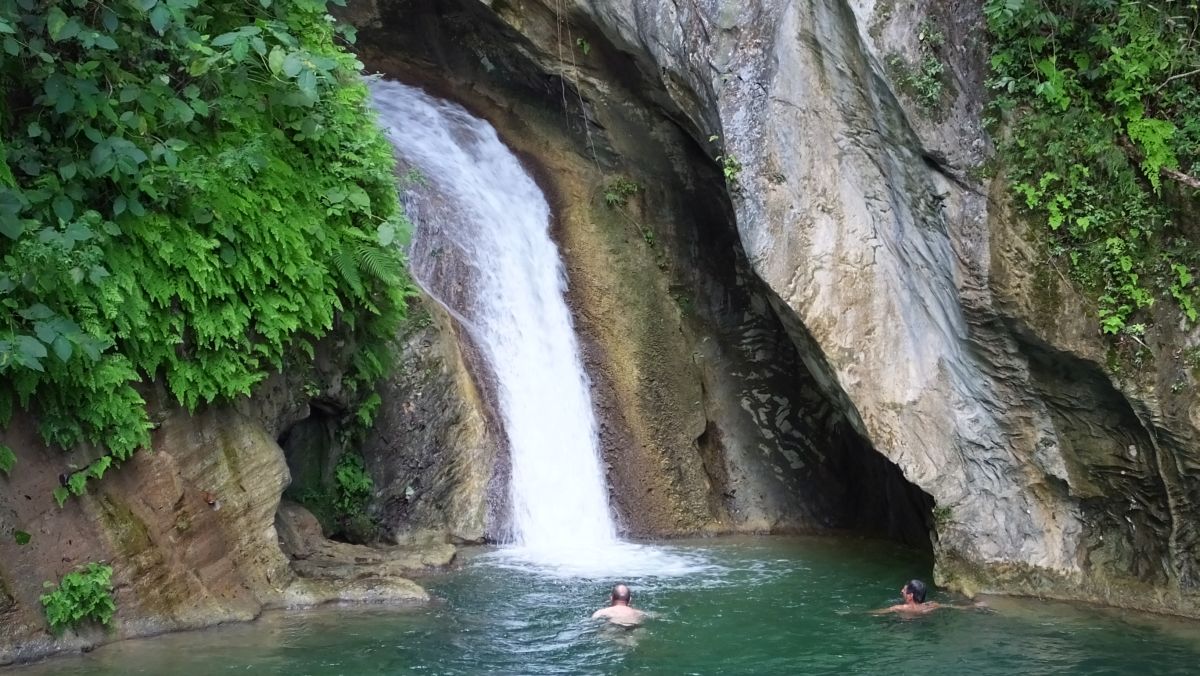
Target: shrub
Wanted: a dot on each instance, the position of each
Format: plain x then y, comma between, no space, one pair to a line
85,594
1104,144
352,484
618,191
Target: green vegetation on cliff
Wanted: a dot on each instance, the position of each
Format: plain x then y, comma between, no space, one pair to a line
191,192
83,594
1105,141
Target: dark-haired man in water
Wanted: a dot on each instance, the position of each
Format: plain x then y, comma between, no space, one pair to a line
914,600
620,612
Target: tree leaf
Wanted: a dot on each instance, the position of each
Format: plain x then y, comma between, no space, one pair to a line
60,495
62,348
292,65
30,352
56,20
36,312
226,39
160,16
21,537
275,59
386,234
63,207
307,81
11,226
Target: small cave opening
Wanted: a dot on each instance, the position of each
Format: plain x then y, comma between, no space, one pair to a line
313,449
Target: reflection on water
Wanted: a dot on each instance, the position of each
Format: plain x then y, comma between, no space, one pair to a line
756,606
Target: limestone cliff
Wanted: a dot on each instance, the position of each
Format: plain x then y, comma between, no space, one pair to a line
925,323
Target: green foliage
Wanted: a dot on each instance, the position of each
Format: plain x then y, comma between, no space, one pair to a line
85,594
648,235
922,81
352,485
584,46
618,190
364,415
731,168
1103,106
21,537
925,80
341,505
943,516
8,459
192,191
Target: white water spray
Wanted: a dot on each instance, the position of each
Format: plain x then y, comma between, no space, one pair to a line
519,317
482,248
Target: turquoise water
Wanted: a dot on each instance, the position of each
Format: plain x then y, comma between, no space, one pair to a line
749,606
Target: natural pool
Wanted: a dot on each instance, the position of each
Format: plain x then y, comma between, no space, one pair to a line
748,605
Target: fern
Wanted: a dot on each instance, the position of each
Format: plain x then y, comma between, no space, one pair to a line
174,243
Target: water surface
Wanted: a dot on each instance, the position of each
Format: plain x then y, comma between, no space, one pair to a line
744,606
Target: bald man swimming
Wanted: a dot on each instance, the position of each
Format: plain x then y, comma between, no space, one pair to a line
620,612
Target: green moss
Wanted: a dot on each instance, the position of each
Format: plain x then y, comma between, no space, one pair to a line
230,452
1046,297
129,533
883,13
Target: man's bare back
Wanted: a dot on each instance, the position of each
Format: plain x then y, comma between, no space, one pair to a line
913,593
620,612
909,608
622,615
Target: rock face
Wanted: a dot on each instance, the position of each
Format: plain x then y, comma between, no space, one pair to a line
709,420
434,451
178,562
188,529
912,299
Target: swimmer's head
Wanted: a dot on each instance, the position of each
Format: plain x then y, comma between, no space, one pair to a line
917,589
621,594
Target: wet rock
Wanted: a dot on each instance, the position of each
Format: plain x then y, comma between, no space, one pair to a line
434,449
329,571
314,556
188,529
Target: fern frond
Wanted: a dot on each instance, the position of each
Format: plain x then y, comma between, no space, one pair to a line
378,263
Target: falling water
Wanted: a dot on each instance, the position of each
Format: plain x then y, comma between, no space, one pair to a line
483,226
482,249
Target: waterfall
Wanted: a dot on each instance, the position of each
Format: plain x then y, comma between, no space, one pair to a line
482,247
